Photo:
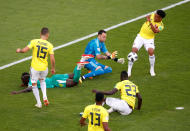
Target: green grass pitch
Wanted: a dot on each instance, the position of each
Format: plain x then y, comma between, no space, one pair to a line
21,21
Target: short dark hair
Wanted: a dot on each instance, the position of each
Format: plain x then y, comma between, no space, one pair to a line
161,13
44,30
124,74
99,97
25,77
101,32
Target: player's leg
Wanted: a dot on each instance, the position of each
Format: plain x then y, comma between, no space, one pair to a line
118,105
34,75
138,43
149,46
106,69
95,69
43,75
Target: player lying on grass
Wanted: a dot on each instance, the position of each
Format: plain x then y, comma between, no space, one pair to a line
97,115
129,92
95,47
152,26
58,80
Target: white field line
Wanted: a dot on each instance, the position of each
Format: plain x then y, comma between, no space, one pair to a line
93,34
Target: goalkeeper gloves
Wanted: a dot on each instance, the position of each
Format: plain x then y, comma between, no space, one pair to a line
113,55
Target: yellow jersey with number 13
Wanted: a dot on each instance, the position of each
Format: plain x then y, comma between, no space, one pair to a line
96,114
128,91
146,31
41,50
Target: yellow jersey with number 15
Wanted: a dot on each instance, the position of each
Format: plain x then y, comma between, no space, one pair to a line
96,114
128,91
146,30
41,50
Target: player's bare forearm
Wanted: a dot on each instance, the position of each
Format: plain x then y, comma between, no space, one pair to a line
154,29
24,50
106,92
52,59
82,121
105,126
101,57
29,89
139,101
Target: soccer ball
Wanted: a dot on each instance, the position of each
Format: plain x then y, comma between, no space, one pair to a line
132,56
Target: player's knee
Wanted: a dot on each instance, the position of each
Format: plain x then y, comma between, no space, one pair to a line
108,70
134,49
151,51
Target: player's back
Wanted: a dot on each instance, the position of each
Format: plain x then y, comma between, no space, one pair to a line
41,50
96,114
128,91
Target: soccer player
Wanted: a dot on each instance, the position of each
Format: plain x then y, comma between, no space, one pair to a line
129,92
97,115
149,29
57,80
39,65
95,47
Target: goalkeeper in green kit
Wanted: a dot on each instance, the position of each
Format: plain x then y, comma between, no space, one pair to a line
57,80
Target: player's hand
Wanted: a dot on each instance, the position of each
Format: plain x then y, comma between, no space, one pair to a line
18,50
121,60
94,91
14,92
52,71
113,55
148,18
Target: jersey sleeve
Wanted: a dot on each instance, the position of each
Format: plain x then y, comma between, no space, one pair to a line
86,112
105,117
51,52
104,49
31,44
118,86
137,90
161,27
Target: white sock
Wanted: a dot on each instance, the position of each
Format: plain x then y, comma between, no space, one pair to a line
43,89
36,94
152,61
130,65
79,67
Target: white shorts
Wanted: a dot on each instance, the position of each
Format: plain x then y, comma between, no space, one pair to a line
119,105
36,75
139,42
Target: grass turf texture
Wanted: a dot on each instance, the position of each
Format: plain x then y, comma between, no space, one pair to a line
161,94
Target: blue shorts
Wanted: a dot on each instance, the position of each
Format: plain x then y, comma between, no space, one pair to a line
93,64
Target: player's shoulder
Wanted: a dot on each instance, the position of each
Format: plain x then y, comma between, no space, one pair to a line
89,106
104,110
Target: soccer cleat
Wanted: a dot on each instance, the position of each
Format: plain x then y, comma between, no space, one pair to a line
38,105
80,80
90,77
152,73
46,102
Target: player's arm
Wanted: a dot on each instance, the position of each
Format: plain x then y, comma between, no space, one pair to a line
106,92
82,121
24,50
29,89
139,101
105,126
154,28
52,59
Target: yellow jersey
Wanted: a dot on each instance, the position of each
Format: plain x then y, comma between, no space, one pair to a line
96,114
41,50
128,91
146,31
